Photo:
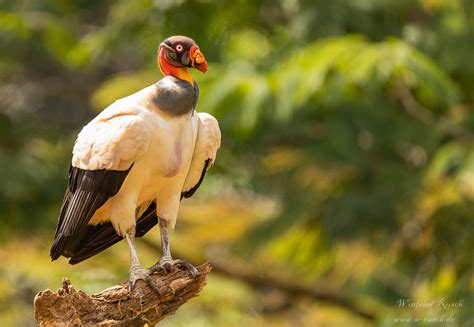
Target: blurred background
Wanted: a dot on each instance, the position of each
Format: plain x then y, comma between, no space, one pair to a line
344,188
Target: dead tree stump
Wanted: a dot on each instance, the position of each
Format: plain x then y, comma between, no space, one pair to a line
115,306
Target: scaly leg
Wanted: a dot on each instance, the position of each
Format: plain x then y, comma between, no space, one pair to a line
166,262
136,270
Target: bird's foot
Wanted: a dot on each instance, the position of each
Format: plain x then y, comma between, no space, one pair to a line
166,264
186,266
137,273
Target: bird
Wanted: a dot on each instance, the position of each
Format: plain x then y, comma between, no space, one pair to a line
135,161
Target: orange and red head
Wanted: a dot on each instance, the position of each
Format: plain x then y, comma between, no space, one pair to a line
177,53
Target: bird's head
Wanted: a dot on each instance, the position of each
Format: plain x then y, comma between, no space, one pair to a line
177,53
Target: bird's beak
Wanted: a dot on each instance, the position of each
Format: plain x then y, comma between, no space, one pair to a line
197,59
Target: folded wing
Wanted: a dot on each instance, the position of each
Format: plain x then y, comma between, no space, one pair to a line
104,153
207,143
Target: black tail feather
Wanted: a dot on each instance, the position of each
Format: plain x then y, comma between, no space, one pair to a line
100,237
87,191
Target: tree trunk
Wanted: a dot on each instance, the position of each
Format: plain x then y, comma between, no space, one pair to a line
115,306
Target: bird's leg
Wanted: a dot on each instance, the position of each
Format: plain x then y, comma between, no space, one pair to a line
136,270
166,262
166,259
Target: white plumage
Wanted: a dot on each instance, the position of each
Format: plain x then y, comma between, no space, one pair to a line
207,143
135,161
168,155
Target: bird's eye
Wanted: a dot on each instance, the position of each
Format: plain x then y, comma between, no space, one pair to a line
179,48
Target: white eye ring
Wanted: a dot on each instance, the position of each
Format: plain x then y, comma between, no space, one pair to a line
179,48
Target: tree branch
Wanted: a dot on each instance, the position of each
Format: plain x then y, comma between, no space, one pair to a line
115,306
263,280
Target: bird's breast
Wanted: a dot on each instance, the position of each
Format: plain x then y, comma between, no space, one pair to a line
168,158
176,160
171,149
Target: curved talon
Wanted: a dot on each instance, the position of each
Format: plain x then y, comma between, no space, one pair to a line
156,269
142,274
168,266
165,266
184,265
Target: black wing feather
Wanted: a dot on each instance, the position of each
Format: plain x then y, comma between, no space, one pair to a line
87,191
100,237
189,193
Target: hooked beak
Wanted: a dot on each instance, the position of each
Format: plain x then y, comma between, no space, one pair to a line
197,59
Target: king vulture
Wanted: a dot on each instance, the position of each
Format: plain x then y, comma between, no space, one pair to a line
133,164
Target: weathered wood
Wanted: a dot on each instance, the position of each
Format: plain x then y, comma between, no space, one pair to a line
115,306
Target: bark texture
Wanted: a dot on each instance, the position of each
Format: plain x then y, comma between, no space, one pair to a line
115,306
